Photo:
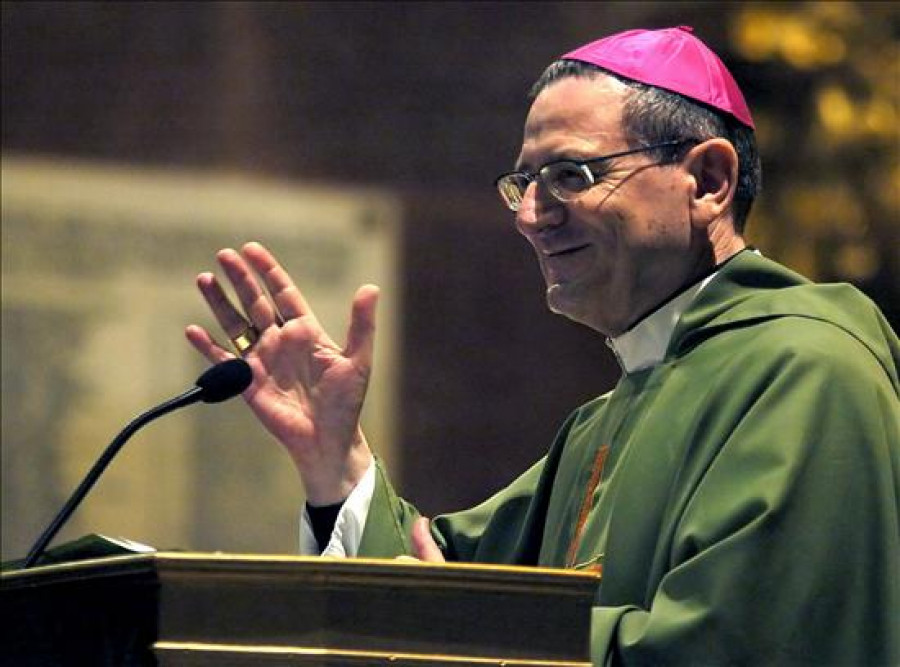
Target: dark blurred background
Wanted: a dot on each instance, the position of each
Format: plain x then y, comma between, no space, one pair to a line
427,99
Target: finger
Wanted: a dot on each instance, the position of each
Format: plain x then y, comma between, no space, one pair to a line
361,333
287,297
254,300
206,345
231,320
423,544
403,558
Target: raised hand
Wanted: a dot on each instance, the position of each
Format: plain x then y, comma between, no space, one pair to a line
307,391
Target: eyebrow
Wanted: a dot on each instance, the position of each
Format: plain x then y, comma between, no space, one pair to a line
567,157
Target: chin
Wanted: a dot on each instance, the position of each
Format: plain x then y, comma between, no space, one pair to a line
565,299
562,300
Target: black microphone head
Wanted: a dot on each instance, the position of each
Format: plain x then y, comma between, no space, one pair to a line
224,380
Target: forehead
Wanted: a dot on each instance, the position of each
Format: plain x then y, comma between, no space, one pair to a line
575,116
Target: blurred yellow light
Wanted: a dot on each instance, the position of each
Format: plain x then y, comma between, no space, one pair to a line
835,13
830,48
856,262
879,67
755,34
798,45
761,33
881,118
835,110
828,208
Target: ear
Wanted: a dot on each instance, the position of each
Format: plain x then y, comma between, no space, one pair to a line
713,165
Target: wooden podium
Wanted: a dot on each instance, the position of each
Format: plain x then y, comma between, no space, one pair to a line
220,609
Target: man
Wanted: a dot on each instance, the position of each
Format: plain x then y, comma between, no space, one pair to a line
740,486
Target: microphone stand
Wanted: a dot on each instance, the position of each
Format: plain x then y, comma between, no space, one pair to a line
190,396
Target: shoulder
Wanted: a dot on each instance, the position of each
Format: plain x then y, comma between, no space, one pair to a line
808,349
831,325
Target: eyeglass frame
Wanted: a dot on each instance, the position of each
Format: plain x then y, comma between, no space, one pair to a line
582,165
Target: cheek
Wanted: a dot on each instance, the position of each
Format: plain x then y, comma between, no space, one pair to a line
653,217
612,226
601,216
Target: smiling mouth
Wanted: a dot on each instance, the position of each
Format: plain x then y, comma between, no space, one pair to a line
567,251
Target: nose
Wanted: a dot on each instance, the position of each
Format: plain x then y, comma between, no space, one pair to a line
538,211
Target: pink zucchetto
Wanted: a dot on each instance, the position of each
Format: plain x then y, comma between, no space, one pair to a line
672,59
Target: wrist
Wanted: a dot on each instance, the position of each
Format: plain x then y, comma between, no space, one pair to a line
330,482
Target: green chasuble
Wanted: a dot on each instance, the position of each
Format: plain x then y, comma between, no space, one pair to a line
742,498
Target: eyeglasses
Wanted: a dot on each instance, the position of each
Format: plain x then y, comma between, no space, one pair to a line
566,180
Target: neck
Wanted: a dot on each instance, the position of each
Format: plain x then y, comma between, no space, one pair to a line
725,242
721,252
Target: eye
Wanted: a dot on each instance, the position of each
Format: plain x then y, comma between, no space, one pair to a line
568,177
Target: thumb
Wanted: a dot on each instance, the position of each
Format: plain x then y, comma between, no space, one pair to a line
361,333
423,544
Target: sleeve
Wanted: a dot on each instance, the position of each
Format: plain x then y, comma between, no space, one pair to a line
348,526
375,522
507,528
784,544
500,530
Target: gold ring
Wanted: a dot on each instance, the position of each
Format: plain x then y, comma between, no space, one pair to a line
246,339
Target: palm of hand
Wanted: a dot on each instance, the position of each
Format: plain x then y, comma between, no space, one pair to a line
309,393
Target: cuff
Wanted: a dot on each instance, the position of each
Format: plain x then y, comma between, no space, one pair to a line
348,527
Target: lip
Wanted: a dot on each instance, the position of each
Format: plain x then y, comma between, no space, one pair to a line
564,251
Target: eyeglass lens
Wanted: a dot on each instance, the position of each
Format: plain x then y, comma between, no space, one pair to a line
565,180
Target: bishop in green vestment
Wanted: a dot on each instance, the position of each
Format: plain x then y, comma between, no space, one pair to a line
750,518
739,489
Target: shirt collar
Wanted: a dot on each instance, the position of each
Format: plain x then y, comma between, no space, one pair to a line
645,344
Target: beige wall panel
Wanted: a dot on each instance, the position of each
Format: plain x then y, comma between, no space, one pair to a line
98,267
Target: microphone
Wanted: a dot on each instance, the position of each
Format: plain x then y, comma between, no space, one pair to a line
218,383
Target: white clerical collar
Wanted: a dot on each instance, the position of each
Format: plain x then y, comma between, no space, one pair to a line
645,344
